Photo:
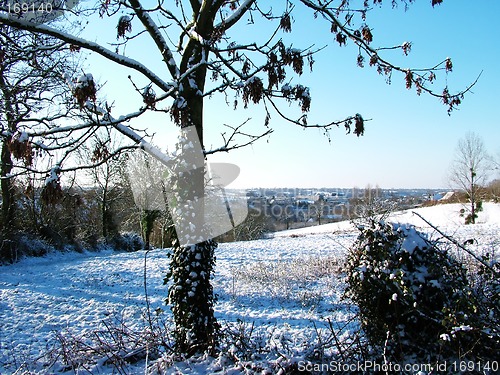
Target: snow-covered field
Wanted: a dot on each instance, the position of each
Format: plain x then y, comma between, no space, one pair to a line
286,288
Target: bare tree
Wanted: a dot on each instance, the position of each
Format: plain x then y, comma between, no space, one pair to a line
495,163
21,82
255,226
197,50
107,178
147,181
41,123
319,208
369,203
32,98
469,172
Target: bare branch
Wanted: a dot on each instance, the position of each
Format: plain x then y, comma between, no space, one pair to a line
229,143
86,44
155,34
414,77
230,21
458,244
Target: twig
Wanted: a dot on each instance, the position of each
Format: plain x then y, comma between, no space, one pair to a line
459,245
148,310
337,342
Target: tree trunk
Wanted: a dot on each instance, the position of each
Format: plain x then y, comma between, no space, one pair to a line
473,196
147,223
191,293
104,217
7,189
8,204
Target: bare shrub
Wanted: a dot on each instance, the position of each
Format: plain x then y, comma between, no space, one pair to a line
113,344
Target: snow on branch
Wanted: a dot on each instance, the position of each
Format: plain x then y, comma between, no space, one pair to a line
130,133
155,34
88,45
236,16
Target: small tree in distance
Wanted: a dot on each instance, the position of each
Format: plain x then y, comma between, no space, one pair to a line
106,176
469,173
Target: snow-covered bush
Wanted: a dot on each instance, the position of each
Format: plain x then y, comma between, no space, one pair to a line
415,300
127,242
486,282
23,245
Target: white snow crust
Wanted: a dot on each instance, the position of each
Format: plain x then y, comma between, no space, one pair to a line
77,292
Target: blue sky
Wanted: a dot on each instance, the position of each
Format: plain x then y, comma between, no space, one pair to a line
410,140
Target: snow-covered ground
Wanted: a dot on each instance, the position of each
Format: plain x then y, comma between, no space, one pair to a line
288,287
443,216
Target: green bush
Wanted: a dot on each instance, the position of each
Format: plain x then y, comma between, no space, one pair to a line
415,300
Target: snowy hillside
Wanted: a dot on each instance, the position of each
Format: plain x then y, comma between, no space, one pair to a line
447,215
287,288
